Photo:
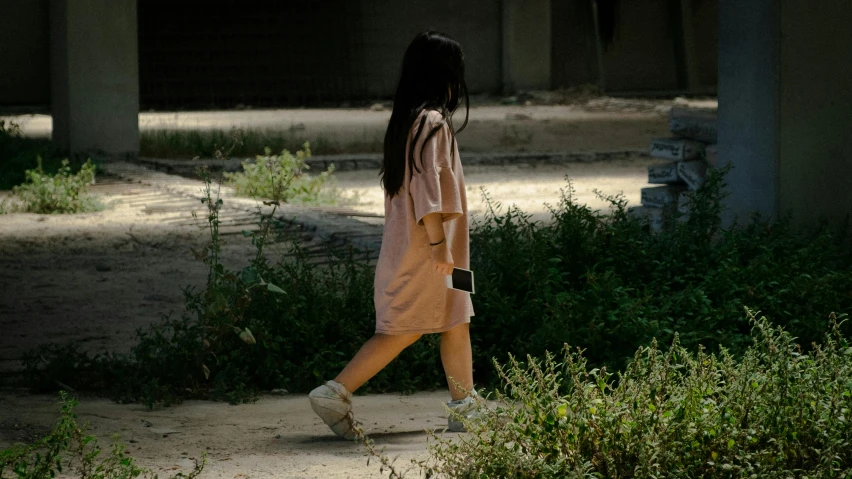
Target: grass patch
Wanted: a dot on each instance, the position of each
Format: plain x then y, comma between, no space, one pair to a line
68,449
181,143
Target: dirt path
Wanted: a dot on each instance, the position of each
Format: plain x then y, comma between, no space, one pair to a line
490,128
94,278
276,437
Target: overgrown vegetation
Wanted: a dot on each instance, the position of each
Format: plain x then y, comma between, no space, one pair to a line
185,143
41,181
68,449
287,324
605,283
61,193
285,178
672,413
19,154
602,282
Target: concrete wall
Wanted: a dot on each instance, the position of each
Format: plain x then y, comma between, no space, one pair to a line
574,57
390,25
644,53
94,75
24,57
784,108
705,27
748,106
526,45
200,54
642,56
815,108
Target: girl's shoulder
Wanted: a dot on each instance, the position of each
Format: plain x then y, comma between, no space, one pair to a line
433,117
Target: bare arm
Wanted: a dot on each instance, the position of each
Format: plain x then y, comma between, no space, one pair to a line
441,256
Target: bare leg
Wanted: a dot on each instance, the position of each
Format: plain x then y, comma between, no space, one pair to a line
458,360
373,356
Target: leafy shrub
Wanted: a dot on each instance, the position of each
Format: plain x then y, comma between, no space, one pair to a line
63,192
289,324
284,178
69,444
19,153
605,283
601,282
670,414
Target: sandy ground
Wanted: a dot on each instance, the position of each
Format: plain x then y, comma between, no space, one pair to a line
603,124
94,278
276,437
530,187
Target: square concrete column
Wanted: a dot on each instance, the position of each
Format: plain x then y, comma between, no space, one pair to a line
784,107
95,76
526,45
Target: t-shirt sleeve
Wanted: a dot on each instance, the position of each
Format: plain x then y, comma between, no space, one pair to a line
434,188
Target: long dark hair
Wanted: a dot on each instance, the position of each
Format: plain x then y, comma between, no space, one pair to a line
432,78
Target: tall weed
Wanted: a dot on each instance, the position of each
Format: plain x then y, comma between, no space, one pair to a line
19,153
672,413
62,193
285,178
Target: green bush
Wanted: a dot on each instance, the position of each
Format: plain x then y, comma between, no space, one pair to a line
19,154
68,444
674,413
284,178
63,192
290,324
606,283
601,282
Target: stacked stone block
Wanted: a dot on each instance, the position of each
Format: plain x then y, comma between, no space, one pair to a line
687,156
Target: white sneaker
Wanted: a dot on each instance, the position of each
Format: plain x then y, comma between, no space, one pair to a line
462,409
333,404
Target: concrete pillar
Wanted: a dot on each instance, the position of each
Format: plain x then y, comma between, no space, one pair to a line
784,107
95,76
526,45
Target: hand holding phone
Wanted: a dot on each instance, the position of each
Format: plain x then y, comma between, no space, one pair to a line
461,279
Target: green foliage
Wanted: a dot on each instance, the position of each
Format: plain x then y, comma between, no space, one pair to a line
187,143
61,193
674,413
601,282
69,449
50,367
605,283
289,324
19,153
284,178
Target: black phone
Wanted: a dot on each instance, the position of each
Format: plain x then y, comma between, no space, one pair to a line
461,279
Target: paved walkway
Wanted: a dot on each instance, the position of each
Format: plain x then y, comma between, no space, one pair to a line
329,224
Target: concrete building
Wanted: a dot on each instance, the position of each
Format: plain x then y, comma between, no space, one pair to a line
785,107
783,68
220,53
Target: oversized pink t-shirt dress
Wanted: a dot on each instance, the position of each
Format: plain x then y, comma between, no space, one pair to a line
410,296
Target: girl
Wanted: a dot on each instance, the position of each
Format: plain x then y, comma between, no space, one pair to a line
425,235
